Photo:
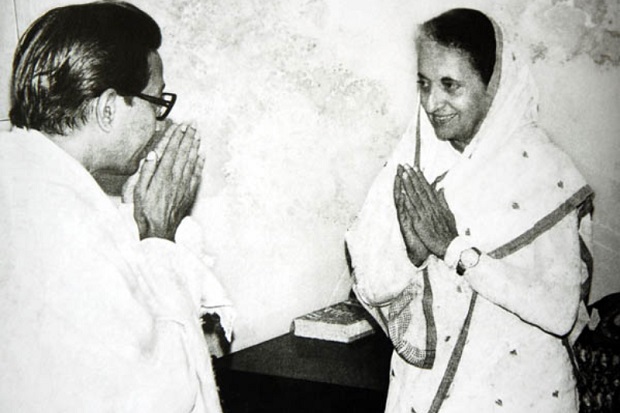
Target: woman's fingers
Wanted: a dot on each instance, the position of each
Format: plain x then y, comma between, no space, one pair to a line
397,188
411,209
442,199
409,188
421,185
446,210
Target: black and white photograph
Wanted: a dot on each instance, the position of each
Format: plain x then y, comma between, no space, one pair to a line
330,206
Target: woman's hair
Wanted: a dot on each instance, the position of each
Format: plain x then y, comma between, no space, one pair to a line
71,55
469,31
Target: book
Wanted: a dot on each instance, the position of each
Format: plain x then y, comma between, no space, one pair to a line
343,322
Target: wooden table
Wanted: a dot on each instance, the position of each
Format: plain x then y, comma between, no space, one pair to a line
292,374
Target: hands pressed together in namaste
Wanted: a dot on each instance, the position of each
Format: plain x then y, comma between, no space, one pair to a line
164,189
426,222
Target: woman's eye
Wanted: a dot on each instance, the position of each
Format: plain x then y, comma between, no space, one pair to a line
451,85
423,84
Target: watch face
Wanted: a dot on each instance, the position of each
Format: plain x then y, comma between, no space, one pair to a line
469,257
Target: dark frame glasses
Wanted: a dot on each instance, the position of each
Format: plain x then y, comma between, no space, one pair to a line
165,103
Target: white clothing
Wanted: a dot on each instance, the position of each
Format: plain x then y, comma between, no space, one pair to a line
515,196
91,318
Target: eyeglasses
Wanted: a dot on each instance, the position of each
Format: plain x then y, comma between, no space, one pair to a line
164,104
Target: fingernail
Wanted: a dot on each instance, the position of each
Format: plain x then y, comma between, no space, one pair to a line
184,128
151,156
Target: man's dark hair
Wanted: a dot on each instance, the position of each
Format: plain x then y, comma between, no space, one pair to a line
71,55
469,31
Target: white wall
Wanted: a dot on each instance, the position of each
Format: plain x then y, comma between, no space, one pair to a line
8,39
300,102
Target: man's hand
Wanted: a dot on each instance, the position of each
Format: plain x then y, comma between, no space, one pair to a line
168,182
431,217
416,250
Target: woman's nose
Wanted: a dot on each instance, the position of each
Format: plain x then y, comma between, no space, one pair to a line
433,99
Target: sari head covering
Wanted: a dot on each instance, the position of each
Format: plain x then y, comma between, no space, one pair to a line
510,184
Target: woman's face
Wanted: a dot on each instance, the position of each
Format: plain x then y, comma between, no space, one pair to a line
452,92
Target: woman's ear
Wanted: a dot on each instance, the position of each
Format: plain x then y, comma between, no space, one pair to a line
106,109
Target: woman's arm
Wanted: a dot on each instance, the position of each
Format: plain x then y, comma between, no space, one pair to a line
541,283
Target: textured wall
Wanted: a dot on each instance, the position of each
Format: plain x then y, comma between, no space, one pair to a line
300,101
8,39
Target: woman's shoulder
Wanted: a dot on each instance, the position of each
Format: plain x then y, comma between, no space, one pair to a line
532,142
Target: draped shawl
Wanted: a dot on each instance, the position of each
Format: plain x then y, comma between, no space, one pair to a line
510,184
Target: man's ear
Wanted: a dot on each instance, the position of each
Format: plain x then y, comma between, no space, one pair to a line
106,109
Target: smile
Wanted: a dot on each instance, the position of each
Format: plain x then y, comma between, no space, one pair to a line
439,120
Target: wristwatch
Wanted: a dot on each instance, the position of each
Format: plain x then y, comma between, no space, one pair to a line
469,259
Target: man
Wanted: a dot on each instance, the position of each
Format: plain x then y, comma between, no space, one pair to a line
98,315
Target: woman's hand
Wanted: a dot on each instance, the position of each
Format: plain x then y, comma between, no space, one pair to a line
416,250
168,182
430,215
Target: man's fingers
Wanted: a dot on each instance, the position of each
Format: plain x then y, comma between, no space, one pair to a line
191,158
172,139
160,146
196,177
182,151
146,174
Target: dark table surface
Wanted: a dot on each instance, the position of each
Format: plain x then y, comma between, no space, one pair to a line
363,364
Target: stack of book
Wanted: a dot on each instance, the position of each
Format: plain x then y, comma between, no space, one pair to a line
343,322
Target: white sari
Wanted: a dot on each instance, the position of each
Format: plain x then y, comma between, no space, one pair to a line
490,340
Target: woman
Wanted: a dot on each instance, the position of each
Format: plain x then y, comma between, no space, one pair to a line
468,250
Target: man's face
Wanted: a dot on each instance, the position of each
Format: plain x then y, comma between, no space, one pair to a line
452,93
136,132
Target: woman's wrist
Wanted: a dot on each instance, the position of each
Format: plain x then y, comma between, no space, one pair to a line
454,250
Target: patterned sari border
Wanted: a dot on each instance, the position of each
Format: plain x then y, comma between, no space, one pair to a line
399,322
544,224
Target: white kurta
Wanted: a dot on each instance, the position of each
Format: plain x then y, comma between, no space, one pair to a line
91,318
